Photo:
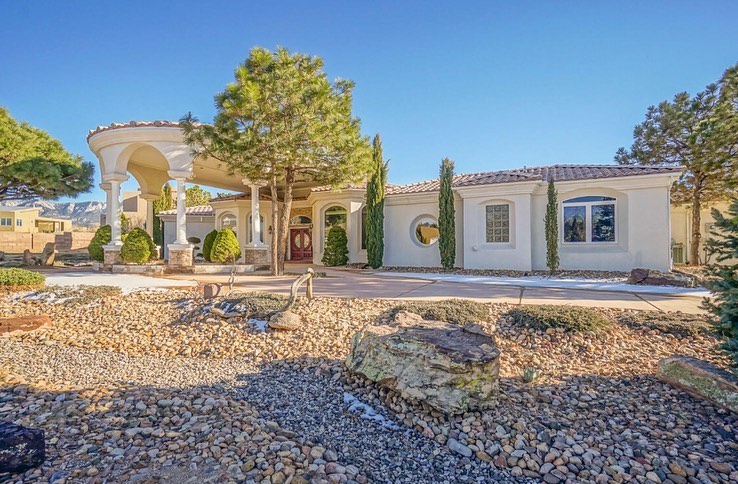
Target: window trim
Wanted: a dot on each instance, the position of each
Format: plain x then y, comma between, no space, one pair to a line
588,222
413,227
324,232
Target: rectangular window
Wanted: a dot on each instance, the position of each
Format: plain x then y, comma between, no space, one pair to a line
603,223
7,222
19,222
589,222
575,224
498,223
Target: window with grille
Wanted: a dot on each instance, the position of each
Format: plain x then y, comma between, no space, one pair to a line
498,223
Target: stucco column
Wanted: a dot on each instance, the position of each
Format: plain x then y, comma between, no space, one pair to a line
108,201
111,251
181,212
255,251
255,217
180,252
150,199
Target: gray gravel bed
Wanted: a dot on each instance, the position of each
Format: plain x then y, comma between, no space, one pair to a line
304,401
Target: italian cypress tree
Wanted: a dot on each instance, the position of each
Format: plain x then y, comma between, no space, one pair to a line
165,202
722,278
447,216
552,229
375,207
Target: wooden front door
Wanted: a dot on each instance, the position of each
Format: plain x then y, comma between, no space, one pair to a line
301,245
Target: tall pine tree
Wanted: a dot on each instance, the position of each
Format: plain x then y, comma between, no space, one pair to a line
375,207
552,229
447,216
722,277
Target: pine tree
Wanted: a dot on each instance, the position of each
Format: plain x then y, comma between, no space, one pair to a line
375,191
552,229
336,248
447,216
722,277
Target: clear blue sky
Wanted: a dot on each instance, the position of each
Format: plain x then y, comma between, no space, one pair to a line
491,85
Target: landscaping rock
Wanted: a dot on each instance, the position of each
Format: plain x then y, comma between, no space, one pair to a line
701,379
650,277
452,368
28,259
285,321
21,448
23,324
48,255
210,291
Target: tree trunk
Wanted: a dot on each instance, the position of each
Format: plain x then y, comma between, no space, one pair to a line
284,225
273,246
694,248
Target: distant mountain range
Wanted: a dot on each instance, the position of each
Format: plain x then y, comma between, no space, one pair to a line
83,214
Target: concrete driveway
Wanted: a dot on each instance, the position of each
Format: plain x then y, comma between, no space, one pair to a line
363,284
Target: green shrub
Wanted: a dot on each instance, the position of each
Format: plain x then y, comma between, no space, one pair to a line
677,324
570,318
225,247
336,249
102,237
17,278
207,245
138,247
459,311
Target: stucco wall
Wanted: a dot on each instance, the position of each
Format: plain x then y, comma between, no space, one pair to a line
353,203
197,226
642,229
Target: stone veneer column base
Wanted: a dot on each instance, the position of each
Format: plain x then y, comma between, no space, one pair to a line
180,256
256,255
111,255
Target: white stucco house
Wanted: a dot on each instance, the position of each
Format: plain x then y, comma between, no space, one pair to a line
611,217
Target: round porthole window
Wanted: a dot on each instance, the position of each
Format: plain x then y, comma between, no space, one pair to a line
425,230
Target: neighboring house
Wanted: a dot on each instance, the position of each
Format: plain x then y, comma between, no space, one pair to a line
681,230
133,207
611,217
29,220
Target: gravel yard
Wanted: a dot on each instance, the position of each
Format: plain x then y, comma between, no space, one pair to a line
151,386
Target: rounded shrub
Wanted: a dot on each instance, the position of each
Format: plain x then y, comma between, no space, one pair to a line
138,247
102,237
13,278
225,247
571,318
207,244
336,249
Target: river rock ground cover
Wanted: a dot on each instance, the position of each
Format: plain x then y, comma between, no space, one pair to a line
153,386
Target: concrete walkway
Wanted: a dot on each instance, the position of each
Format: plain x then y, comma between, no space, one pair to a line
363,284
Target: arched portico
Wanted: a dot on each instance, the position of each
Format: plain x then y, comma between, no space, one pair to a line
155,153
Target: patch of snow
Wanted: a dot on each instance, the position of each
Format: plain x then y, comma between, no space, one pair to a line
127,282
364,411
553,282
259,324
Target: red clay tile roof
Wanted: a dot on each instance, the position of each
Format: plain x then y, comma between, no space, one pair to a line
201,210
543,173
134,124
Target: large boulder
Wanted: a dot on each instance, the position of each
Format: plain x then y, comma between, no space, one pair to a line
285,321
701,379
650,277
452,368
21,448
